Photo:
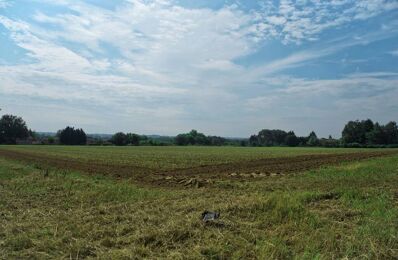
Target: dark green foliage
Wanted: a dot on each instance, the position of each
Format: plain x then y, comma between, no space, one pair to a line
196,138
72,136
291,139
391,133
216,140
253,140
357,134
356,131
376,136
302,140
133,139
12,128
276,137
369,133
268,137
329,142
156,140
312,139
121,138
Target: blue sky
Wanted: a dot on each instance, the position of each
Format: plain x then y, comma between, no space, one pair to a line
227,68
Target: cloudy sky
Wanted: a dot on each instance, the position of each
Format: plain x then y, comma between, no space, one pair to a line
227,68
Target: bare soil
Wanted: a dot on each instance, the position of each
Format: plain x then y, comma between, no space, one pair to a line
196,176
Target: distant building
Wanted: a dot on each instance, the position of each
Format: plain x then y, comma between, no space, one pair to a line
26,141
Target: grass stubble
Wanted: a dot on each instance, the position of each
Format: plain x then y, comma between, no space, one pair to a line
345,211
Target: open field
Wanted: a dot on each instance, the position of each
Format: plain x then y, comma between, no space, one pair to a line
145,202
197,166
170,157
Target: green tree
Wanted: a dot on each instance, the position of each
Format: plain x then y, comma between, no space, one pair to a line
312,139
72,136
357,131
182,139
391,133
12,128
377,135
291,139
133,139
253,140
267,137
352,132
119,139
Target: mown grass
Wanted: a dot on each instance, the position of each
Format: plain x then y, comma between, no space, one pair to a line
335,212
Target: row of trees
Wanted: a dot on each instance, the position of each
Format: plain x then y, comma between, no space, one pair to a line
191,138
366,132
196,138
126,139
278,137
14,128
355,134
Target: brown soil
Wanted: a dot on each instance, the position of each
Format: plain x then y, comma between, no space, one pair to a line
196,176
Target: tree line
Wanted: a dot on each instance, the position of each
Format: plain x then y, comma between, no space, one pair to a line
196,138
277,137
357,133
364,133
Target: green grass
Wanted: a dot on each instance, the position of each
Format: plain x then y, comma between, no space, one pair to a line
172,157
335,212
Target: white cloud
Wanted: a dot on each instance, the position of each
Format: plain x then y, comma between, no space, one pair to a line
4,3
144,59
161,68
304,20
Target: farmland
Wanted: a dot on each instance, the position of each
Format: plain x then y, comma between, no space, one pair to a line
145,202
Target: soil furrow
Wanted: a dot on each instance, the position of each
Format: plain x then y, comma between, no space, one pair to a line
240,170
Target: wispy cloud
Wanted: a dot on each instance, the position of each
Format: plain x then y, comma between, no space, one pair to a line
298,21
4,3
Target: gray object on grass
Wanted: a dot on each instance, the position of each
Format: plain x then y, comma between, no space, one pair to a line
210,216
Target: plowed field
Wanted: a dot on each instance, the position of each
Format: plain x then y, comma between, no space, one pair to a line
198,175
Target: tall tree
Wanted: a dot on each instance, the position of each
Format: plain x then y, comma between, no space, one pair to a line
391,133
312,139
377,135
291,139
133,139
12,128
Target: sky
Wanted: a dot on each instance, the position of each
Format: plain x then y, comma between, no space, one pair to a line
228,68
